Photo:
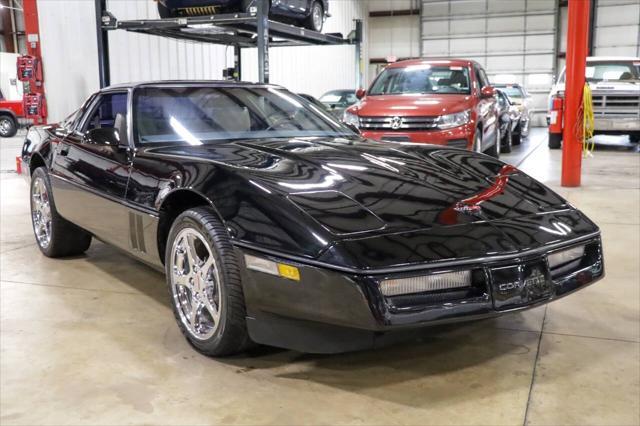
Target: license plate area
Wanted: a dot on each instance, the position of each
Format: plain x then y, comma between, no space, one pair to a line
519,285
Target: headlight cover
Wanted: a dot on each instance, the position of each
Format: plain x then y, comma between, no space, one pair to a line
421,284
450,121
351,119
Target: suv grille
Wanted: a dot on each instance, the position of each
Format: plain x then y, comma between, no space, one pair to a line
398,123
616,105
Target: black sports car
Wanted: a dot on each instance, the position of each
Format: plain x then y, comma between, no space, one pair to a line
276,224
310,14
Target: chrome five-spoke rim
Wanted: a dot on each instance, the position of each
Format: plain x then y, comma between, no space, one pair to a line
195,284
41,212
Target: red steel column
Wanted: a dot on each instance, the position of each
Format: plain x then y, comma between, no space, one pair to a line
577,46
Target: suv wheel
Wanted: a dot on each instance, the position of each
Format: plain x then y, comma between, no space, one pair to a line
555,140
8,126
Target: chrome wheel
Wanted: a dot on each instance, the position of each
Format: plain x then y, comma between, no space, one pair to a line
317,17
5,126
41,212
195,284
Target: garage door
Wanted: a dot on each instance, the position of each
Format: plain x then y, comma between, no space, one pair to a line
617,26
513,39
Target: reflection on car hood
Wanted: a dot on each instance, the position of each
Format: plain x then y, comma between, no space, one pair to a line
404,186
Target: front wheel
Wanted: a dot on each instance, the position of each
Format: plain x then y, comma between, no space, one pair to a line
203,276
164,11
507,141
315,20
8,126
56,237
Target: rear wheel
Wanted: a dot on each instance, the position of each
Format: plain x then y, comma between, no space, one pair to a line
56,237
555,140
203,276
8,126
315,20
634,138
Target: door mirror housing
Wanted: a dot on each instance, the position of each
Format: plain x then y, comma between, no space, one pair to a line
360,93
487,92
106,136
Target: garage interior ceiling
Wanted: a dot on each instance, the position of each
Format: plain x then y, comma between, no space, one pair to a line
512,39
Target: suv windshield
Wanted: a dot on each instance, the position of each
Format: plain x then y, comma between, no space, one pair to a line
422,79
197,115
611,71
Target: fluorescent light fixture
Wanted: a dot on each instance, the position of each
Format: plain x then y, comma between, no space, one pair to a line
564,257
421,284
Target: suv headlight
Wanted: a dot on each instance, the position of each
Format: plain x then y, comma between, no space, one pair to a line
450,121
351,119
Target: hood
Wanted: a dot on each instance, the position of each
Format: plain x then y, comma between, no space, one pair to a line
363,204
383,187
412,105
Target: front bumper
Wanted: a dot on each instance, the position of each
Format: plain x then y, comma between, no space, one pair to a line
459,137
617,125
329,311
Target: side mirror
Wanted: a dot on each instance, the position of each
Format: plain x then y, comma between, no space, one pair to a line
107,136
487,92
360,93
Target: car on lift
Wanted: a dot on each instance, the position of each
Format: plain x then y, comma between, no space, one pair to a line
279,225
10,113
519,97
437,101
309,14
339,100
509,115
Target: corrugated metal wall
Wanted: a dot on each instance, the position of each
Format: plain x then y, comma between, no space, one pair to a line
513,39
617,28
315,69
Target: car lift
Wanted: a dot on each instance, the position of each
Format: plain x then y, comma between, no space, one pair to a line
240,30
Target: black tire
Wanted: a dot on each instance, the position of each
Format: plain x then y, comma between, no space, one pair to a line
230,335
311,23
516,136
634,138
164,11
65,238
8,126
555,140
507,141
494,151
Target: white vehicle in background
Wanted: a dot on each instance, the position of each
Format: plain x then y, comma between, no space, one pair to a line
615,88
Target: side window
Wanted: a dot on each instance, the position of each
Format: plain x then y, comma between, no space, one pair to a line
484,79
110,112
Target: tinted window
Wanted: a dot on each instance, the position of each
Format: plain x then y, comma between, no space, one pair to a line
197,115
513,91
422,78
111,107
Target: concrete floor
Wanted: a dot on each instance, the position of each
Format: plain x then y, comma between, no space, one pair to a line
91,340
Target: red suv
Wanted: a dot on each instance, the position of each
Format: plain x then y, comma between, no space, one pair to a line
438,101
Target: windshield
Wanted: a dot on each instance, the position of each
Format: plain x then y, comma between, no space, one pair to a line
198,115
512,91
419,79
611,71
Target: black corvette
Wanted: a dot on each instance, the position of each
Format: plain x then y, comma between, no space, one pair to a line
276,224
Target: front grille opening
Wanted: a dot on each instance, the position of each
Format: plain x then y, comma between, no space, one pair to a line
589,257
476,290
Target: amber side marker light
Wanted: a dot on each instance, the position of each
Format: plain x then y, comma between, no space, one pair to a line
272,268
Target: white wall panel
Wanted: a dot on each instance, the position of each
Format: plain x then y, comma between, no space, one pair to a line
315,69
617,28
398,36
510,38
